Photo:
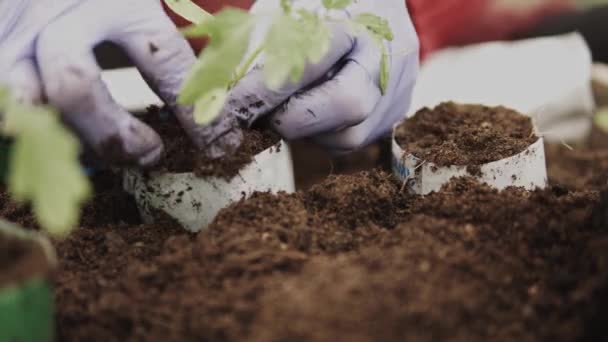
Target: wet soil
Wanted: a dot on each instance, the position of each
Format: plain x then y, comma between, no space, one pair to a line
20,260
182,156
459,134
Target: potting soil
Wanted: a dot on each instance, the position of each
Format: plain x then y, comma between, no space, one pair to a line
470,135
182,156
354,258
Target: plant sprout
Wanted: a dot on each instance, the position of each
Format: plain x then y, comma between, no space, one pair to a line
295,37
43,164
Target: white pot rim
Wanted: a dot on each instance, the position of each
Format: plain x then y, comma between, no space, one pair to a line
525,169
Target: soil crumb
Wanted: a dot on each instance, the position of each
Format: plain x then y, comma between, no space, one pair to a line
182,156
462,134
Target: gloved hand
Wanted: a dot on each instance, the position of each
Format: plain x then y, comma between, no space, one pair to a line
338,102
46,51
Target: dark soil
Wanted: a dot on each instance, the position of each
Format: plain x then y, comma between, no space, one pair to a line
312,163
20,260
353,258
579,168
182,156
457,134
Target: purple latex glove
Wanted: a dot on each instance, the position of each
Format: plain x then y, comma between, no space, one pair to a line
338,102
46,52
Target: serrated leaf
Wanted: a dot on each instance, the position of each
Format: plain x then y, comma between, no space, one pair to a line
44,167
377,26
230,32
384,70
209,106
291,43
336,4
188,10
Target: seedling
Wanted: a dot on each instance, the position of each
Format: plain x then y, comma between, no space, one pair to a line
43,164
295,37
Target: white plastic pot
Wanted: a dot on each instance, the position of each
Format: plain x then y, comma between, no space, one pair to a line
194,202
526,169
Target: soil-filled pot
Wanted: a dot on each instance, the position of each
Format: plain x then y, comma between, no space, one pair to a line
493,144
192,190
194,201
26,298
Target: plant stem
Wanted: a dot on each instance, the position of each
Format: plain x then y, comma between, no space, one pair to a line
245,67
12,230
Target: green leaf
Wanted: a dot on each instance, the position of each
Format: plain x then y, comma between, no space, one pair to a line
230,32
384,70
44,167
377,26
319,35
202,29
209,106
188,10
291,43
286,6
336,4
3,98
601,119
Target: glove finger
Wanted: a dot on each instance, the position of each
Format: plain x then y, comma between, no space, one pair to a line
384,116
391,107
343,101
165,58
161,54
250,98
24,82
72,82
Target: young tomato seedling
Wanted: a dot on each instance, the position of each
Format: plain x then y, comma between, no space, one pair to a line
295,38
43,165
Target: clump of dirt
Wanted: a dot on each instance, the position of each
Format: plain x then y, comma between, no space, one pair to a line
374,199
21,260
182,156
459,134
353,258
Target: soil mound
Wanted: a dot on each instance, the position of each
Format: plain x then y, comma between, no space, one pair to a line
459,134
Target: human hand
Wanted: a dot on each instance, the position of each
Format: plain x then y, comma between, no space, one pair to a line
46,53
338,102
